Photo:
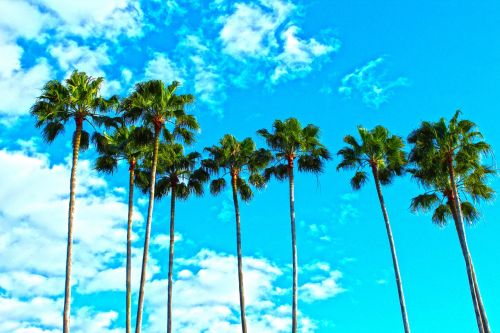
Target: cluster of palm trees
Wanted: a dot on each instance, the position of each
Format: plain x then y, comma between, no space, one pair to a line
150,128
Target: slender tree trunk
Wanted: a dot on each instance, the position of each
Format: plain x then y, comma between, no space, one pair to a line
480,300
140,304
171,257
395,264
234,178
481,318
71,213
294,247
128,311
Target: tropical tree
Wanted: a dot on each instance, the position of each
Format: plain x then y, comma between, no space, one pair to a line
178,174
289,142
447,160
242,162
383,154
124,144
162,112
77,98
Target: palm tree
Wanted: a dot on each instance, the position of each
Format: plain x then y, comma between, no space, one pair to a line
177,174
156,106
78,98
446,159
239,160
383,154
125,144
289,141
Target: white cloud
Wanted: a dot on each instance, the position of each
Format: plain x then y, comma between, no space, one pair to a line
370,83
160,67
298,54
71,56
20,87
162,241
250,30
94,18
23,19
205,297
321,288
319,231
33,242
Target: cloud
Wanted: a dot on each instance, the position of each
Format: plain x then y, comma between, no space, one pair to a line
33,242
19,87
93,18
371,84
71,56
299,55
250,30
23,19
160,67
322,287
205,297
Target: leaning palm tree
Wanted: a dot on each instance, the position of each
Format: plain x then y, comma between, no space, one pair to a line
78,98
124,144
161,111
447,159
383,154
239,160
289,141
178,174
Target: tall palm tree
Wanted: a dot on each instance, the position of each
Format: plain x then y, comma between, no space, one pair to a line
178,175
242,162
77,98
289,141
383,154
446,159
161,111
124,144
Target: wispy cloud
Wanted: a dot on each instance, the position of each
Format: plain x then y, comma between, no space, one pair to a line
370,82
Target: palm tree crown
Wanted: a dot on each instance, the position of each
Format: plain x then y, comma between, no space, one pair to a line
436,146
175,169
290,141
77,98
156,106
379,150
124,144
237,158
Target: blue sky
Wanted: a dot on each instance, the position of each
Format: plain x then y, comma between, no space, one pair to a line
337,64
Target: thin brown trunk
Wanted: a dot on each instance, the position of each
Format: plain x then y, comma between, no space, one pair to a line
71,213
395,264
140,304
128,311
171,257
459,225
294,247
234,178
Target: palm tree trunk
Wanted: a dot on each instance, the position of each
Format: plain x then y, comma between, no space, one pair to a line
128,310
140,304
480,300
459,225
171,257
294,247
71,213
395,264
234,178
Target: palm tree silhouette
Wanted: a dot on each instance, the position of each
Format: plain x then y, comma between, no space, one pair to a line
289,141
383,154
